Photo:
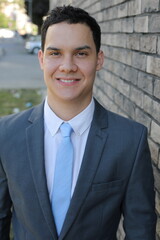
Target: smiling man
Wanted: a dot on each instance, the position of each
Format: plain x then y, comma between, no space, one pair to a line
69,61
69,169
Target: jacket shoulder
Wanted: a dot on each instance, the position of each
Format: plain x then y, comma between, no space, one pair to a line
15,122
116,121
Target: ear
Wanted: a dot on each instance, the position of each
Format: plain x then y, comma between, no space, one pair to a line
40,57
100,60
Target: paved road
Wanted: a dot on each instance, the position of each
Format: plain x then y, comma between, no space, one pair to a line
19,69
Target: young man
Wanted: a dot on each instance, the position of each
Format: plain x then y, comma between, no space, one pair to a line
109,160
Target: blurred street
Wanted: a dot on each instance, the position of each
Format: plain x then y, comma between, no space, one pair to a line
18,69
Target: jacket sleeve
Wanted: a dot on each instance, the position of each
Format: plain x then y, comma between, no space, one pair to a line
139,204
5,206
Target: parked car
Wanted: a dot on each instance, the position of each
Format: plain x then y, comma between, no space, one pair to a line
6,33
33,44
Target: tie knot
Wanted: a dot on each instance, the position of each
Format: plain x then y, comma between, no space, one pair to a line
66,129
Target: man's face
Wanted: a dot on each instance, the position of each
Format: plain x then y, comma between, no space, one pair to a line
69,62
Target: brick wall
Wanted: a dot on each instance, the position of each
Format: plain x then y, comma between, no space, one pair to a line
129,84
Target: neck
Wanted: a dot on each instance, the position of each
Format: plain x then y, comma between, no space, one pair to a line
67,110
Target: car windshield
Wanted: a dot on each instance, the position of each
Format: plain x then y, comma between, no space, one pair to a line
34,38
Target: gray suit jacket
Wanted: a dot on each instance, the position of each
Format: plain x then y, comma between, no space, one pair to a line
115,178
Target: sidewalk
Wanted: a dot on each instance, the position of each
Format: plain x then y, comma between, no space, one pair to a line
2,52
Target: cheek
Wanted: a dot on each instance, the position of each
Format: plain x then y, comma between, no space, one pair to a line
50,67
89,70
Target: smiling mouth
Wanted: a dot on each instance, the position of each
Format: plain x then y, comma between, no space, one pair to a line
67,80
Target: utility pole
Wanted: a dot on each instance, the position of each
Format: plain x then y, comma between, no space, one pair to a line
30,9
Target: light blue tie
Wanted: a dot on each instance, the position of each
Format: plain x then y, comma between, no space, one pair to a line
62,177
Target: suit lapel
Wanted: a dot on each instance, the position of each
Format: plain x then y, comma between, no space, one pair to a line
94,148
35,144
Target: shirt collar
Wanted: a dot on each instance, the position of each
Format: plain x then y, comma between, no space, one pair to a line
82,121
51,120
79,123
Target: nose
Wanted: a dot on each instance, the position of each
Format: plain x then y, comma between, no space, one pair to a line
68,65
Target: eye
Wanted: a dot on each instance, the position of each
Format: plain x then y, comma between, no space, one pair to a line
82,54
55,53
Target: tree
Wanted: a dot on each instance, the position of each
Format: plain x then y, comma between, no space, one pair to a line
3,20
37,9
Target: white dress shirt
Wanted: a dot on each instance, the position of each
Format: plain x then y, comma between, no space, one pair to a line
52,137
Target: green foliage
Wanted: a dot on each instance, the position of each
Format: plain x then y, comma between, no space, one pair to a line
4,20
12,101
20,3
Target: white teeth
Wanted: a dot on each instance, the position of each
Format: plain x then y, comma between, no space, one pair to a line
66,81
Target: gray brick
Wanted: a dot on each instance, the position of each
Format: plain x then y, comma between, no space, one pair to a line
110,3
110,27
124,88
108,90
95,8
130,74
154,25
153,65
129,108
122,55
115,82
107,77
134,7
120,233
117,40
139,61
83,4
127,25
118,98
117,1
154,149
155,132
106,4
105,48
111,79
150,5
123,10
148,104
156,111
120,70
136,96
109,65
157,179
98,16
141,24
158,46
158,204
148,44
157,237
133,41
157,88
145,82
143,118
158,228
109,14
116,25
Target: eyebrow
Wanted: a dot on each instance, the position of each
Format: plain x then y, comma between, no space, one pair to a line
83,47
78,48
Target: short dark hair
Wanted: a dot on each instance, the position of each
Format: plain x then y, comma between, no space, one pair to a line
71,15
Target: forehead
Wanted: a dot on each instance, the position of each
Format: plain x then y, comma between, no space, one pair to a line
69,34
